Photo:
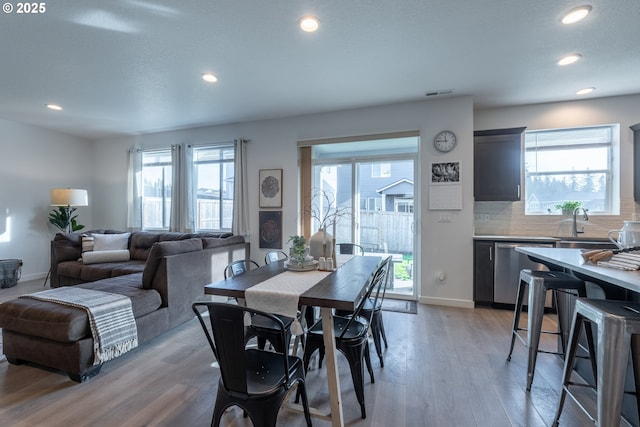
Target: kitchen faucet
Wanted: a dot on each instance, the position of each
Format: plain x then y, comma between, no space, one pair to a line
575,221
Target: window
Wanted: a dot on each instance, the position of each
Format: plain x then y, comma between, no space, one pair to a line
403,205
380,170
371,203
571,165
213,179
156,189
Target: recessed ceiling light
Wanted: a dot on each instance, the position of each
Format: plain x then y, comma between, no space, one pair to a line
55,107
585,91
576,14
569,59
209,77
309,23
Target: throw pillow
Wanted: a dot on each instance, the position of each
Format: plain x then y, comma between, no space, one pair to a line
93,257
87,243
162,249
111,242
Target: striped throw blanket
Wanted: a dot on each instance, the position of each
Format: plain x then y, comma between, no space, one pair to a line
111,318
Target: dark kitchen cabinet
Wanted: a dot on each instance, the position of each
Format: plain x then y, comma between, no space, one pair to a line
497,168
636,162
483,272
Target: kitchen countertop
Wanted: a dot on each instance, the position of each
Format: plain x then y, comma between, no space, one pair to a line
537,239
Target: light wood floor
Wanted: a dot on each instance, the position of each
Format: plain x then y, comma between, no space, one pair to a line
444,367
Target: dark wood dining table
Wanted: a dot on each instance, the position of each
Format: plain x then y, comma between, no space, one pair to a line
342,289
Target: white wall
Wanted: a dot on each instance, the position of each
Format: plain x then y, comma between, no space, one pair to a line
444,246
32,161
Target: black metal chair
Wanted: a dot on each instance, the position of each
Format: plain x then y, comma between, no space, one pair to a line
275,256
351,335
238,267
349,249
374,312
255,380
261,328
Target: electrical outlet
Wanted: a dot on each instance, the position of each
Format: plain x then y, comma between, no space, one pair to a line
483,217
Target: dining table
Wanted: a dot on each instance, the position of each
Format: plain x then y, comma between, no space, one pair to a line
340,289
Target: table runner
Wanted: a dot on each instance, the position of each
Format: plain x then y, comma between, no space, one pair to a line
111,320
280,294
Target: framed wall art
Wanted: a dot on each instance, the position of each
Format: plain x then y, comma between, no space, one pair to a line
270,229
270,188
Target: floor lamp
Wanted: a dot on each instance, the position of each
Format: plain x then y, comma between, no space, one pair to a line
69,198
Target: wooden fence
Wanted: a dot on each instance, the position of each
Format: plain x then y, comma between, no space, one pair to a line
387,231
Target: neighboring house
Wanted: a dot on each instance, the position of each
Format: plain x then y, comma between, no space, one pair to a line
398,196
382,186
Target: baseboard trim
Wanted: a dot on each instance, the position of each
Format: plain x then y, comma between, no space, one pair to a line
33,276
448,302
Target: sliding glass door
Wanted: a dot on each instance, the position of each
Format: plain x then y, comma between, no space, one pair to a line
378,192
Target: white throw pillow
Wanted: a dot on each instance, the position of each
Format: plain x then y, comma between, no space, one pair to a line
111,242
93,257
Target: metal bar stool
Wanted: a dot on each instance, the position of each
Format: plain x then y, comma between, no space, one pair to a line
539,282
618,326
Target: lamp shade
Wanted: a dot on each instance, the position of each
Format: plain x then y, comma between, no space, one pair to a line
69,197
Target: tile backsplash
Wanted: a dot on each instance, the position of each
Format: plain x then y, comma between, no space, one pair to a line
508,219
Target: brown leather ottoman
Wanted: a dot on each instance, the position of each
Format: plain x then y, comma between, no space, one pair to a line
58,336
48,334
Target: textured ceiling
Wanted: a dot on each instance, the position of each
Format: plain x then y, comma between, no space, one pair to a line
130,66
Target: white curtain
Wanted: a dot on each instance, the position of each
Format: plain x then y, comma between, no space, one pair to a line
240,222
181,216
134,190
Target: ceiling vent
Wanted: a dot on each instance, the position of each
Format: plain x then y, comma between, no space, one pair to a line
438,92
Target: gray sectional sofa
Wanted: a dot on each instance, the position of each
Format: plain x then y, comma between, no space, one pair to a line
166,273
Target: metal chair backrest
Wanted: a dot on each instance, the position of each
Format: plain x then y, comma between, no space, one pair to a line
227,341
372,292
274,256
349,249
239,267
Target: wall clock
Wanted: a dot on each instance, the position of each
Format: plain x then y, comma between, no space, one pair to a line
445,141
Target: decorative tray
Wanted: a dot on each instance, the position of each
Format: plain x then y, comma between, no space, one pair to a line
305,267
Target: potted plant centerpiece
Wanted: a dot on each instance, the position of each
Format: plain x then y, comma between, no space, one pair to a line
298,250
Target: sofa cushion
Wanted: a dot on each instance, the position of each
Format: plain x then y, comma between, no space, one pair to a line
212,242
68,324
166,248
143,301
174,235
91,272
133,266
141,242
44,319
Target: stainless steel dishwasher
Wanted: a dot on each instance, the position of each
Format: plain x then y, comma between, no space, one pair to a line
506,273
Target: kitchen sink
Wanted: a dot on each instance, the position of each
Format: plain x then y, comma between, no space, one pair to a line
585,243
